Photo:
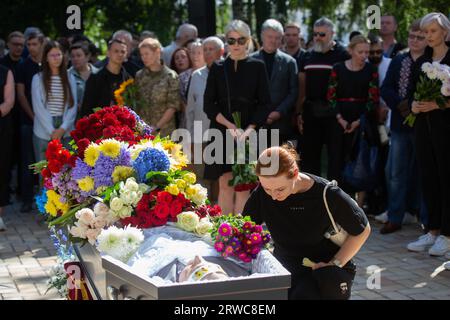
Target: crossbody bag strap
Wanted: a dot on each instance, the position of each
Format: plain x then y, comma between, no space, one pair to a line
330,184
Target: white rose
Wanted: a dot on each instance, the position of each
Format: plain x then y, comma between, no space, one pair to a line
203,227
445,90
85,215
78,231
426,67
125,212
100,222
116,204
128,197
101,209
131,185
188,220
92,235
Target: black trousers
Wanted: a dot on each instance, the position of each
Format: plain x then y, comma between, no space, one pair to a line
327,283
6,139
432,137
317,132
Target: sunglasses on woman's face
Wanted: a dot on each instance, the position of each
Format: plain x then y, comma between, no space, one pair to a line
241,41
320,34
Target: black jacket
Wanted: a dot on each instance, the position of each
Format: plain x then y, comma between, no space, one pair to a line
99,91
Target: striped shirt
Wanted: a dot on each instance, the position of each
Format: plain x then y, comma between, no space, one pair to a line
55,103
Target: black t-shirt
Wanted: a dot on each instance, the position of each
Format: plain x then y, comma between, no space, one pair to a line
298,224
269,59
25,73
10,64
317,68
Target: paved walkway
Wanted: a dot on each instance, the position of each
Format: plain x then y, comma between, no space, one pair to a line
27,254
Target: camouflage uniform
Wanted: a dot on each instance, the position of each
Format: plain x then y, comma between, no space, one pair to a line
157,92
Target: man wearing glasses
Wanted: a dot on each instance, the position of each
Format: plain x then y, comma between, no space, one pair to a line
401,168
315,117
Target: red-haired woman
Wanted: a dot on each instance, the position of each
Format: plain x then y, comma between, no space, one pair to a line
292,205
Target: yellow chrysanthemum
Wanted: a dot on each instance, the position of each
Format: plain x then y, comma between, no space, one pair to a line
173,189
91,154
122,173
86,184
54,205
51,209
110,148
190,178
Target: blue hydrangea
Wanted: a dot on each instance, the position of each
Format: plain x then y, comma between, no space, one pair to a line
150,160
41,200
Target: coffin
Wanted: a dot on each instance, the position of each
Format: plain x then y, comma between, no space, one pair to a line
111,279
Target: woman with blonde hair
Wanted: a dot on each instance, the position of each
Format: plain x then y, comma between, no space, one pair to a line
432,138
158,89
237,84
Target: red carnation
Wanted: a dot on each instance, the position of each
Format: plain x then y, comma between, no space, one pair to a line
162,211
164,197
82,124
176,208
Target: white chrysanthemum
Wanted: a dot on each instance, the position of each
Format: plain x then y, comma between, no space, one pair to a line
133,236
109,239
85,215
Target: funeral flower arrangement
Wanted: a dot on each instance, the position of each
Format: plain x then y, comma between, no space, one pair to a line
433,85
115,179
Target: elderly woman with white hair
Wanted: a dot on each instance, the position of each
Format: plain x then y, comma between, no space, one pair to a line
237,84
432,135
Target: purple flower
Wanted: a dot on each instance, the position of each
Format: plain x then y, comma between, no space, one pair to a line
81,170
225,230
124,158
219,246
103,170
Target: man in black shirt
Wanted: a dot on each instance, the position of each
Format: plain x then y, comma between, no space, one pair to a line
315,117
25,73
100,87
292,42
283,80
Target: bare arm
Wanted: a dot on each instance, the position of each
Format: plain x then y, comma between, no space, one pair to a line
8,94
23,101
167,116
352,245
301,92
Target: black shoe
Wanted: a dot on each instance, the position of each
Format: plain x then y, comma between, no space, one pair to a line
26,207
390,227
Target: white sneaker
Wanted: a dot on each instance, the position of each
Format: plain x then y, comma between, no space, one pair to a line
2,225
447,265
383,217
440,247
420,244
409,218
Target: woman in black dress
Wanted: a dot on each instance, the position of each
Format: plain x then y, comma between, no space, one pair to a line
353,91
6,131
237,84
432,138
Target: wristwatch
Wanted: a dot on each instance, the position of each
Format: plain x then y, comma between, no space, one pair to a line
337,263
